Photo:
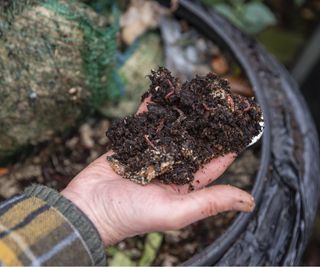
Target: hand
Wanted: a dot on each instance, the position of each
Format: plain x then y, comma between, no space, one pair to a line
120,208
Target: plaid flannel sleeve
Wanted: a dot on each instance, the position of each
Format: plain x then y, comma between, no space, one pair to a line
40,227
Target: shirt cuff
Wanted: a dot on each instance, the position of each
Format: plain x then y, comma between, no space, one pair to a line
75,216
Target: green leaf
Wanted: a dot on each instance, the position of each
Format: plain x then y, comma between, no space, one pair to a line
151,247
120,259
299,2
257,17
283,44
230,13
252,17
111,251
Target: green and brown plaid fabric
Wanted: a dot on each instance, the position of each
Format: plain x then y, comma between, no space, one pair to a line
40,227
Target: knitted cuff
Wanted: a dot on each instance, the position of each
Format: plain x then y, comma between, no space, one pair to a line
75,216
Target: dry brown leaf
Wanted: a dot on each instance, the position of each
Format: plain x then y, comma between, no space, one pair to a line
140,17
3,171
240,86
220,65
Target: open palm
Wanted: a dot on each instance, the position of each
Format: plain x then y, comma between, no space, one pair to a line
120,208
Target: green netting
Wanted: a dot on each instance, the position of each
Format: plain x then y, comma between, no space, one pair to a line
57,58
10,8
98,53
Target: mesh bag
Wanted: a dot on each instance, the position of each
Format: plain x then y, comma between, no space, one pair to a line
57,60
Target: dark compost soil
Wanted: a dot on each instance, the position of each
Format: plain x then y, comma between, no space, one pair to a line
184,127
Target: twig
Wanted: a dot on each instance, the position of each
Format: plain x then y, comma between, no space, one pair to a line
160,126
146,137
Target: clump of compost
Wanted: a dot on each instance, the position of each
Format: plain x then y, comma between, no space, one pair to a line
184,127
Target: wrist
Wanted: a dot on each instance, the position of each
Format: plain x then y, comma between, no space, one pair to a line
80,201
85,202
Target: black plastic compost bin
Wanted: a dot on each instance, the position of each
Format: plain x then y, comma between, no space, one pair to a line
287,184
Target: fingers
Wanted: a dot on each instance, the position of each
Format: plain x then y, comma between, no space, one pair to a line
192,207
212,170
143,106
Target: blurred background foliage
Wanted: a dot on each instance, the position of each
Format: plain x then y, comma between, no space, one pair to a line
251,16
281,26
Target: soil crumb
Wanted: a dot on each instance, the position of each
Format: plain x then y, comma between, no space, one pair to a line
184,127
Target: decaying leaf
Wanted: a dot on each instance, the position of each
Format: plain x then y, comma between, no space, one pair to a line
151,247
140,17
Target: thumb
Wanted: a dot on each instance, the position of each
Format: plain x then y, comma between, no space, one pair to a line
192,207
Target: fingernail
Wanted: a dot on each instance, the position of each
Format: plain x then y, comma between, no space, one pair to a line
245,205
252,204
